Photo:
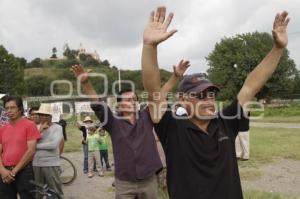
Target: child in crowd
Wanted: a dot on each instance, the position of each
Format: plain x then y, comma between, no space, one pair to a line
103,148
93,140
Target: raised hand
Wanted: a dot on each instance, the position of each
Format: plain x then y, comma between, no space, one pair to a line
279,32
79,72
156,30
180,69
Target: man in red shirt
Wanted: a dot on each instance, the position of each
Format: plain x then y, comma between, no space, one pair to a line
17,147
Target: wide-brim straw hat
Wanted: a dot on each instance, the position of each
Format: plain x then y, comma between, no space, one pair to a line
45,109
87,119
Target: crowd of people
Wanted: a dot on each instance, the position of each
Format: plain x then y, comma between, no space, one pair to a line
30,150
193,151
95,141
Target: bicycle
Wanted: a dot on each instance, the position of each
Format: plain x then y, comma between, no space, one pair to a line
44,190
68,171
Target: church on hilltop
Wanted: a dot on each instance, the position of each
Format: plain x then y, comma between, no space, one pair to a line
82,50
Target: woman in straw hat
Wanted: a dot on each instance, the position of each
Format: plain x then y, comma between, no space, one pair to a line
46,163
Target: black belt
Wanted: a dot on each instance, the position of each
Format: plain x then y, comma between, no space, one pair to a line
12,167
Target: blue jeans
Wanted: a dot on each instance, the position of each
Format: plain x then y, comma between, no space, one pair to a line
85,158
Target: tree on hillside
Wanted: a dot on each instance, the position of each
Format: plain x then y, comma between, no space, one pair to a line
22,61
105,63
11,73
297,83
233,58
88,60
35,63
83,57
69,53
38,85
54,51
114,67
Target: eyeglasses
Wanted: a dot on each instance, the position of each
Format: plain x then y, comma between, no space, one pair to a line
209,94
7,108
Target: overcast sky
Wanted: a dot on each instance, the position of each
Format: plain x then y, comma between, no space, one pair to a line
31,28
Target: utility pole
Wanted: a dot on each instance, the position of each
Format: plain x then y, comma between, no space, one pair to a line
119,77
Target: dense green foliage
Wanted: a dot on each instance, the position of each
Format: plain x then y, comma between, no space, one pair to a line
38,80
11,73
233,58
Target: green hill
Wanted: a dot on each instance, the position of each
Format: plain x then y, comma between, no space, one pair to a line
38,80
35,78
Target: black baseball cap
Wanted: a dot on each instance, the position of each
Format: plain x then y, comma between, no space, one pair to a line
196,82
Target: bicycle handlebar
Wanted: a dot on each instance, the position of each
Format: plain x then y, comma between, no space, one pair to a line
41,186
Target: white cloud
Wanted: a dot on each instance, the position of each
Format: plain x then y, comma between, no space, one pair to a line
30,28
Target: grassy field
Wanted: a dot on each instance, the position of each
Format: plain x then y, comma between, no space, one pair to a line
252,194
267,145
289,114
74,137
276,119
49,72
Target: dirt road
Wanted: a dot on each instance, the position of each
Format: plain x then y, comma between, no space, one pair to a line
88,188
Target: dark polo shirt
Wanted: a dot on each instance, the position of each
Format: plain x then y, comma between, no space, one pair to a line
200,165
134,146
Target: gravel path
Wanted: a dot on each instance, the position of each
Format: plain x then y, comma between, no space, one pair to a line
88,188
282,177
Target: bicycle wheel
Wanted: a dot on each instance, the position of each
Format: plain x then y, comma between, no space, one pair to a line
68,171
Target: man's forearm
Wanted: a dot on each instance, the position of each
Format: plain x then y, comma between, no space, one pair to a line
47,145
50,145
150,70
151,80
26,158
169,85
90,91
1,163
260,75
